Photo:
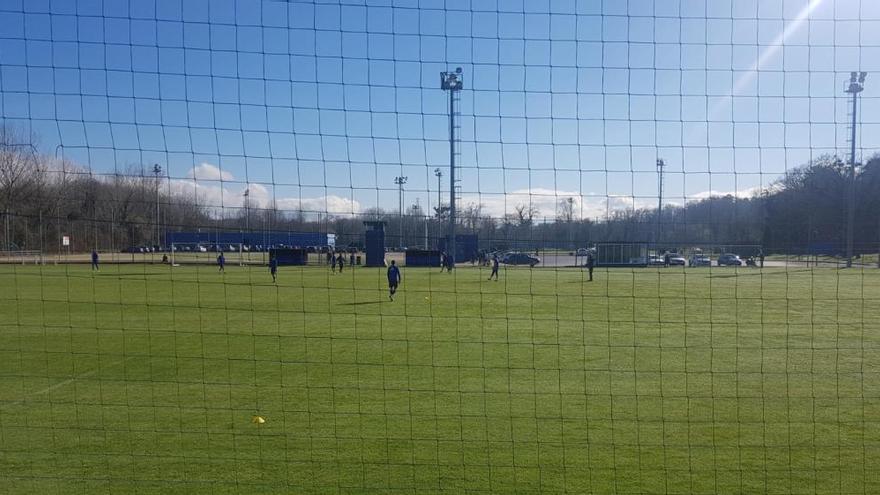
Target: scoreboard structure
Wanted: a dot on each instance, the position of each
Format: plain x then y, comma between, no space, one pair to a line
622,254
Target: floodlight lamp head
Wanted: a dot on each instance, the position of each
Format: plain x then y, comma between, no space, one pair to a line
853,76
862,76
451,80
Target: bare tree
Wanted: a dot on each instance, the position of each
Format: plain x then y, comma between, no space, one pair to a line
18,176
471,215
525,213
565,210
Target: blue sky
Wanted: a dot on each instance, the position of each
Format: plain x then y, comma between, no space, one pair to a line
322,104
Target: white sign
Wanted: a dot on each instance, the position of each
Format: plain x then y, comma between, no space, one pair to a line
65,240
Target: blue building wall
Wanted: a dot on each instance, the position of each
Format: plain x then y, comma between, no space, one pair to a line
421,257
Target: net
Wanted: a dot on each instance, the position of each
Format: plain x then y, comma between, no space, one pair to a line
615,247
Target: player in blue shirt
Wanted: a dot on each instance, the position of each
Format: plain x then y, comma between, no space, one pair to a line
273,267
393,279
94,260
221,262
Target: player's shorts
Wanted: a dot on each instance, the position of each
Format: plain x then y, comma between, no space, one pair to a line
392,285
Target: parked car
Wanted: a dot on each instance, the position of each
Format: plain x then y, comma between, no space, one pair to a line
676,259
655,261
700,260
202,249
520,259
729,259
583,252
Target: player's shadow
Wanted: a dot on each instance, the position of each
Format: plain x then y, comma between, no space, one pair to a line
757,272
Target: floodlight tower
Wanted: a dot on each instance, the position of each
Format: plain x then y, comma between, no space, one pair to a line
856,85
247,205
661,164
157,171
439,174
400,181
452,82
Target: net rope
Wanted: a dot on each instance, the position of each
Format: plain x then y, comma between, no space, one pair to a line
201,199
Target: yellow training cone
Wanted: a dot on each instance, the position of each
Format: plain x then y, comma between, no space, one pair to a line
258,420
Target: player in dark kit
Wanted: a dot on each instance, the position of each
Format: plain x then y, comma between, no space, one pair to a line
591,262
494,268
393,279
221,262
273,268
340,260
94,260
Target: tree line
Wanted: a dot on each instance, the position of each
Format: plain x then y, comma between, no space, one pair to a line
43,199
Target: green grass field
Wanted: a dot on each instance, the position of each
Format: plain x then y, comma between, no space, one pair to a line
145,379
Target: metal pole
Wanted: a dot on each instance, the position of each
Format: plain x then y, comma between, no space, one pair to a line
439,175
851,197
451,244
856,85
452,82
157,170
400,181
660,165
247,216
400,212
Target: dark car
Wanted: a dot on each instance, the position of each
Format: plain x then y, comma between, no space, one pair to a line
520,259
729,259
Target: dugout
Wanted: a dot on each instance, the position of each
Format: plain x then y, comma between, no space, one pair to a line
466,247
374,243
289,256
422,257
623,254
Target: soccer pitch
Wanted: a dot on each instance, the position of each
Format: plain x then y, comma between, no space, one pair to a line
147,379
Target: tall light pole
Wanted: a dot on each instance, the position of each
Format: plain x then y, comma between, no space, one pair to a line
439,174
452,82
400,181
660,166
247,216
856,86
157,171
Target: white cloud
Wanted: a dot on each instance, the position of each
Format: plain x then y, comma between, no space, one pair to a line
588,206
750,192
547,202
323,204
207,171
205,187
